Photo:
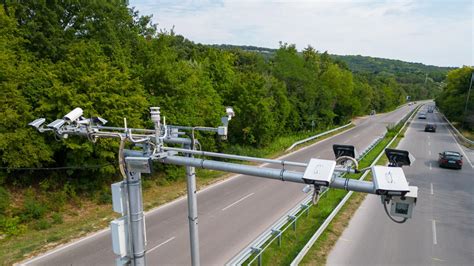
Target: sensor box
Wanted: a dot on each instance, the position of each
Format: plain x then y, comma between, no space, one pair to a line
403,206
389,179
319,172
119,236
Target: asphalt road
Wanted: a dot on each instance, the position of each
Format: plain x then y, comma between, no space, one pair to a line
442,229
231,213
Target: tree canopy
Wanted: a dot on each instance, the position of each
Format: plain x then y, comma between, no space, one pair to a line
106,58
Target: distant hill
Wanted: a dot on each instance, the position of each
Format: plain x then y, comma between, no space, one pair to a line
366,64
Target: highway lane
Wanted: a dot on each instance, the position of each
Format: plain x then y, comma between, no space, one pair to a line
442,229
231,214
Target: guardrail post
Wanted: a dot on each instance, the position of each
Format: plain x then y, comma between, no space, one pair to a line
278,234
293,219
259,255
305,207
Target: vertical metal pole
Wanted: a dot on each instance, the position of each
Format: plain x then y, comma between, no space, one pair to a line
192,213
137,223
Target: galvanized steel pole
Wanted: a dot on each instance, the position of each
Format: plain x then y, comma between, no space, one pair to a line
137,222
192,212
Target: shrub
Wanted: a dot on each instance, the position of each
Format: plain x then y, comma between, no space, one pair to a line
57,218
32,208
11,226
42,224
4,200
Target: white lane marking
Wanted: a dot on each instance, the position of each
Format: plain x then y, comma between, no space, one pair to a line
97,234
462,150
179,199
356,135
429,137
159,245
429,143
346,141
429,152
430,167
238,201
431,188
434,232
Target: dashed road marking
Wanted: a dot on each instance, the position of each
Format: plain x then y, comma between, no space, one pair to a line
238,201
159,245
433,223
431,167
429,152
431,188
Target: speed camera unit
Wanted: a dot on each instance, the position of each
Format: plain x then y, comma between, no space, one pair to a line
319,172
389,179
402,206
344,150
399,158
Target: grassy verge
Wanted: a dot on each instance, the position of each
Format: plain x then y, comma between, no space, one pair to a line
81,217
318,253
294,240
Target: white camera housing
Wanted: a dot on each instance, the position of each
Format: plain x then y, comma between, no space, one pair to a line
319,172
73,115
37,123
56,124
389,179
403,206
230,112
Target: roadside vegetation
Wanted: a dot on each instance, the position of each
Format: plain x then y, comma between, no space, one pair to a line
114,63
454,103
294,240
319,252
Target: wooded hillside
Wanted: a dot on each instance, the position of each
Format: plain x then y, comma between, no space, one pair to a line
113,63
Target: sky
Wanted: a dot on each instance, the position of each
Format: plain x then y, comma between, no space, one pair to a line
434,32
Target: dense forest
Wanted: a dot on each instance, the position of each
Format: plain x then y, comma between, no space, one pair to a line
419,81
112,62
455,101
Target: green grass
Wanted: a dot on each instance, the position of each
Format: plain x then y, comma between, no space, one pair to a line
317,255
293,241
75,221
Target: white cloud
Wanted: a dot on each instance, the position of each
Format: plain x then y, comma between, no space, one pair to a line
416,31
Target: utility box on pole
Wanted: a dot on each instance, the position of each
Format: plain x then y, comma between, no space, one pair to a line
118,200
118,229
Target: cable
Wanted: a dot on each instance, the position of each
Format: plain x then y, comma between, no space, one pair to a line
315,197
391,218
341,159
57,168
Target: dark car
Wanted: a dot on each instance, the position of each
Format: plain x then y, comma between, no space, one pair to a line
450,159
430,128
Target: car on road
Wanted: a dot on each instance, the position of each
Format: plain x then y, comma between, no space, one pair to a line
430,128
422,115
450,159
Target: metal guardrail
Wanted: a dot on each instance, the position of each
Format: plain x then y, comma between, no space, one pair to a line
316,136
336,210
276,230
459,136
262,242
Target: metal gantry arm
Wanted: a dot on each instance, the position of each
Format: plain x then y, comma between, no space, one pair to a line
128,232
